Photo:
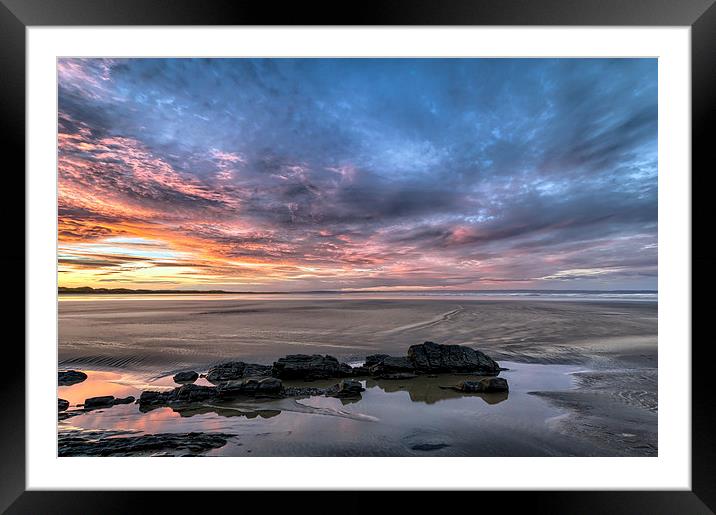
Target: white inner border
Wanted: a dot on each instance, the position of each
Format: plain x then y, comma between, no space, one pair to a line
670,470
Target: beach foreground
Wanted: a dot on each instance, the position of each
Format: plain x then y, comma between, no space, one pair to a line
582,373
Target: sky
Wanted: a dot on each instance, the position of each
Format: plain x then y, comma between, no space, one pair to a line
375,174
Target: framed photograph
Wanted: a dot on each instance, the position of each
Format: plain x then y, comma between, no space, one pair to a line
442,248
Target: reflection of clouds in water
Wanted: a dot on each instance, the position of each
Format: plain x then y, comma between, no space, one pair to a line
468,424
97,384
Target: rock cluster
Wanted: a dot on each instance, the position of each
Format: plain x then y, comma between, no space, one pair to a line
185,377
234,370
186,394
392,365
70,377
433,358
105,401
426,358
267,387
187,443
239,379
191,393
346,388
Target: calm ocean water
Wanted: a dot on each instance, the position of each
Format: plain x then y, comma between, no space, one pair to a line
572,295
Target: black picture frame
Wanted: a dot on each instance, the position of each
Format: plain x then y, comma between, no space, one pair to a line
17,15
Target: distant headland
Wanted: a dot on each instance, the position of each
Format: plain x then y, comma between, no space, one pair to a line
114,291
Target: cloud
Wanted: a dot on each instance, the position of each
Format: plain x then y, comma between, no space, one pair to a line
332,173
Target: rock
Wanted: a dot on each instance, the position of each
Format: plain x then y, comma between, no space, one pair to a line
62,404
256,370
185,377
429,446
71,445
360,371
184,394
150,397
70,377
431,357
374,359
268,386
398,375
486,385
234,370
105,401
392,365
426,440
303,366
346,388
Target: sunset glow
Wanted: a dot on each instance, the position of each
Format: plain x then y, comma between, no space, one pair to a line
321,174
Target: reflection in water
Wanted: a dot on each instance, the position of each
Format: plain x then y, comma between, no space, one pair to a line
432,389
97,384
226,410
406,417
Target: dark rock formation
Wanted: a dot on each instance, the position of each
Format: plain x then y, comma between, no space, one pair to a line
187,393
360,371
234,370
192,393
237,379
185,377
429,446
70,377
374,359
190,398
62,404
486,385
303,366
431,357
426,358
346,388
384,365
189,443
268,386
104,401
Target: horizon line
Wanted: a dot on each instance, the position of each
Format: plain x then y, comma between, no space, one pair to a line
73,289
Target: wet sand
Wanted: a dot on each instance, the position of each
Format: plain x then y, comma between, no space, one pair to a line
582,373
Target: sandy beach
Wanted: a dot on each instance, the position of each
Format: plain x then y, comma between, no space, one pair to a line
582,373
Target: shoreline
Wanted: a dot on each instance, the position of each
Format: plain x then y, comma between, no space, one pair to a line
601,344
593,421
385,403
